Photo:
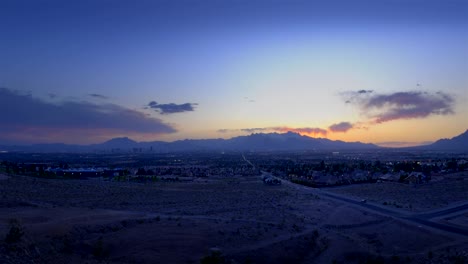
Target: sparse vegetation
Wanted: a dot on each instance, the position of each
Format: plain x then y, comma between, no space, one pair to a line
289,223
215,257
98,250
15,233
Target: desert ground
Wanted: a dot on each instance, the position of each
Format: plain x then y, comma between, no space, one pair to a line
412,197
221,220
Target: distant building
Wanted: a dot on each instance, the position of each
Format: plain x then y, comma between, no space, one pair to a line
84,173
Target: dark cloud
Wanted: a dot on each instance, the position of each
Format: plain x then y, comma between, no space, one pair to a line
402,105
20,113
98,96
341,127
171,108
52,95
364,91
408,105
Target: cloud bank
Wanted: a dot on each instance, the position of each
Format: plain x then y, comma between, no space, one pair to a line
382,108
315,131
166,109
22,116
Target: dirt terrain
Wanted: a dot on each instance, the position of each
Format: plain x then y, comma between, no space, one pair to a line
220,220
411,197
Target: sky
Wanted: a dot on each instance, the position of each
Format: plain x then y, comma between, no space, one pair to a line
389,72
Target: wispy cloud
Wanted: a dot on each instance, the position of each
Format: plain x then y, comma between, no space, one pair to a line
22,114
401,105
353,96
255,130
341,127
246,130
98,96
315,131
249,100
402,144
171,108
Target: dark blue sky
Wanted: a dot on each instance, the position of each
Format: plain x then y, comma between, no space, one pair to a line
235,64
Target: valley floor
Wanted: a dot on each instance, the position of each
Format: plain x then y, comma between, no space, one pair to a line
223,220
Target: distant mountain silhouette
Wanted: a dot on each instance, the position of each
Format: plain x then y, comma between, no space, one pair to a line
290,141
123,142
458,143
255,142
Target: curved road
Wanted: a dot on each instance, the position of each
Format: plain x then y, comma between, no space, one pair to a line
422,219
419,218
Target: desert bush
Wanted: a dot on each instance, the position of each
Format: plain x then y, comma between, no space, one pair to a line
216,257
67,245
361,257
98,250
315,233
15,233
296,228
395,259
458,258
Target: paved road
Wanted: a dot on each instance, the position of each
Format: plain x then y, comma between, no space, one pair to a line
248,161
443,212
378,209
420,219
440,226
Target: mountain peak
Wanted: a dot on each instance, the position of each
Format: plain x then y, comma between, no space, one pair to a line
121,139
290,141
459,142
292,133
120,142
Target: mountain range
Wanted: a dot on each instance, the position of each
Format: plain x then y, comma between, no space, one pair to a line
458,143
289,141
